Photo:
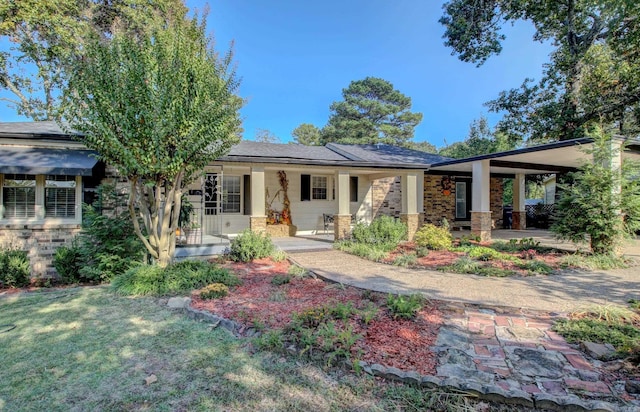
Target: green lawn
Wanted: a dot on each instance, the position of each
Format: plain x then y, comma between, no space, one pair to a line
88,349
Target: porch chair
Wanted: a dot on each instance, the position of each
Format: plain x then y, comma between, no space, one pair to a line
327,221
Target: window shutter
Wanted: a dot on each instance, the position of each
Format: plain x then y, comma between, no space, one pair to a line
353,188
305,187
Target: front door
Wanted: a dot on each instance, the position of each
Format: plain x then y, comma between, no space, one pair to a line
463,200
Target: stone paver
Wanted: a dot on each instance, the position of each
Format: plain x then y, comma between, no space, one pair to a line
497,339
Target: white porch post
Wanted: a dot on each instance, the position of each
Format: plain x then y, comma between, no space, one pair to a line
480,206
421,210
258,218
519,217
409,213
342,221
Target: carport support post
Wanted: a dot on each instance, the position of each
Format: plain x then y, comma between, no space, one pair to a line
480,206
409,214
258,218
342,221
519,217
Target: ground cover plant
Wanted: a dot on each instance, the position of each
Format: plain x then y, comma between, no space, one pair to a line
617,326
328,322
90,349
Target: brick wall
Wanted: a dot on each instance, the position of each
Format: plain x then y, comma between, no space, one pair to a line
495,202
437,205
40,242
387,197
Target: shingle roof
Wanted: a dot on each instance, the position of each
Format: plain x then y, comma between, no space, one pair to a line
247,148
33,129
384,153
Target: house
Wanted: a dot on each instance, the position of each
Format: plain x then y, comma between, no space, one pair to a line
284,189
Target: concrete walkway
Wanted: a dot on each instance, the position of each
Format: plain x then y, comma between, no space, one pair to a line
565,292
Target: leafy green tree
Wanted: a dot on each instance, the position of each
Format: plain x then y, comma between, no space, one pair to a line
480,140
372,112
266,136
599,203
47,36
158,107
556,107
423,146
307,134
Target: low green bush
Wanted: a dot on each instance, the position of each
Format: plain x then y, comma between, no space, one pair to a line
278,280
433,237
369,252
405,307
487,253
463,265
214,291
536,267
67,262
384,232
405,259
181,277
15,269
594,262
250,245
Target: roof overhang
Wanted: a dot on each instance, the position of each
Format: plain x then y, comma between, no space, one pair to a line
46,161
557,157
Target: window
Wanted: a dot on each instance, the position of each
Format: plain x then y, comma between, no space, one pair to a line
60,196
461,200
318,187
353,188
231,190
19,196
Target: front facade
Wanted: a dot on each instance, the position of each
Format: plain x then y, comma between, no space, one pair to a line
285,190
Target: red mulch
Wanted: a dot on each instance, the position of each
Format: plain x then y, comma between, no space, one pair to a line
403,344
439,258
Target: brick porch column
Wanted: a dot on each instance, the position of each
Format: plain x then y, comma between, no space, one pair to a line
480,207
519,220
342,220
258,218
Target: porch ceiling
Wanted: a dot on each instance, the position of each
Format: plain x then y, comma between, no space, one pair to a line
545,159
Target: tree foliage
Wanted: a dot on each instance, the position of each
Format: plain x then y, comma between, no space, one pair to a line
266,136
158,107
372,112
596,55
47,36
307,134
600,203
480,140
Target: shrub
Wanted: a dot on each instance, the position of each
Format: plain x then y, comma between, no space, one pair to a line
107,246
363,250
463,265
214,291
250,245
433,237
487,253
536,267
384,232
181,277
404,307
67,262
279,256
15,270
594,262
297,271
278,280
405,259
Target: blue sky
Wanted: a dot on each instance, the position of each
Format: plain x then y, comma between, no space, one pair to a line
295,57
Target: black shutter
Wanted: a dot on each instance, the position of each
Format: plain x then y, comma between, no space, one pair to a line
353,188
305,187
247,194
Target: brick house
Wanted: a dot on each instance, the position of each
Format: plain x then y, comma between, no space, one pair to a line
45,176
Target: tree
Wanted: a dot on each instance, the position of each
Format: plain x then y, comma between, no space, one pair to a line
307,134
372,112
555,107
480,140
266,136
158,107
599,203
423,146
48,35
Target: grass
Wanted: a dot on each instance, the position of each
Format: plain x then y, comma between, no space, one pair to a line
90,349
617,326
594,262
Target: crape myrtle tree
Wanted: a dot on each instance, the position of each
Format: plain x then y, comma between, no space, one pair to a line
599,203
372,112
594,70
158,106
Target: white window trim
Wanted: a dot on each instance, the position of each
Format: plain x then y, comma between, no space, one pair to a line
39,218
221,195
327,188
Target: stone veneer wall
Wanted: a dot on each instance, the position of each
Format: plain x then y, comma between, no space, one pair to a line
387,197
40,242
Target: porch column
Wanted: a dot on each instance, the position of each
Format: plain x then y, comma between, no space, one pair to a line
342,221
480,206
519,220
258,218
409,214
420,194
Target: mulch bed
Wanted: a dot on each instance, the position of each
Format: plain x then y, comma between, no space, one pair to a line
400,343
438,259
